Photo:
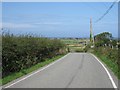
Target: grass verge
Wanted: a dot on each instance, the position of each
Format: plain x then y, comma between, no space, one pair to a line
16,75
112,65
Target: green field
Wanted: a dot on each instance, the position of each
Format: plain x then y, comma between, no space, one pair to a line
75,45
74,41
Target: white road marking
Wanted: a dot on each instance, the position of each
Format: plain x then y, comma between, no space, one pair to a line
36,72
110,77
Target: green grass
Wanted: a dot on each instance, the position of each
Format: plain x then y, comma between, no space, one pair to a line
73,41
16,75
110,64
70,41
76,49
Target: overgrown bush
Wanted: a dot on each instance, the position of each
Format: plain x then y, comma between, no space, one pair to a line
20,52
111,54
112,58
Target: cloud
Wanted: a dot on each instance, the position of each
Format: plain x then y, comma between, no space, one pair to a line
16,25
48,23
26,25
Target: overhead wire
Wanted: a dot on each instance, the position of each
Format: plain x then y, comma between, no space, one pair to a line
107,11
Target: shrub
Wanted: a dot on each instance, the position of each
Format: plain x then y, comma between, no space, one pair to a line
111,54
20,52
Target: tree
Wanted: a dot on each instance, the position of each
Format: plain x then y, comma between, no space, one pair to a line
103,39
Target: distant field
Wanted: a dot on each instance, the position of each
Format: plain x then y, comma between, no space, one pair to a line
71,41
75,45
74,41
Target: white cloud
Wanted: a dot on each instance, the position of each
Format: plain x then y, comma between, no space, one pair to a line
48,23
15,25
25,25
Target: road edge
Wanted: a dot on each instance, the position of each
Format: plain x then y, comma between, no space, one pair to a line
32,73
108,73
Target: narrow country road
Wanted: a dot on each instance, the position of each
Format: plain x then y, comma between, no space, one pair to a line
76,70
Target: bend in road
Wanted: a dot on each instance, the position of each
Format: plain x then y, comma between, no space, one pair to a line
76,70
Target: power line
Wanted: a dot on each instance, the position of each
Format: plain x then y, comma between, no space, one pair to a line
106,11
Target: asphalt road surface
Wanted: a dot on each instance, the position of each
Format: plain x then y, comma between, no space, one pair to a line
75,70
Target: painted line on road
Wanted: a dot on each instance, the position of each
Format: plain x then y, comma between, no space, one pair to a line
110,77
36,71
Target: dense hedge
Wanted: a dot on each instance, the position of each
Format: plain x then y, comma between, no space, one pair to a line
111,54
20,52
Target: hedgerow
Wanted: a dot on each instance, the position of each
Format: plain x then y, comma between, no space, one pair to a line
110,57
21,52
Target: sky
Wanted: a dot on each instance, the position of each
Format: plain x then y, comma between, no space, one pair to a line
59,19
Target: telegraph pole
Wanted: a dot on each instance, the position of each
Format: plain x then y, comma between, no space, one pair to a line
91,33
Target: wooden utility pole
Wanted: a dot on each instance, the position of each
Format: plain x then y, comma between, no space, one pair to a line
91,33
